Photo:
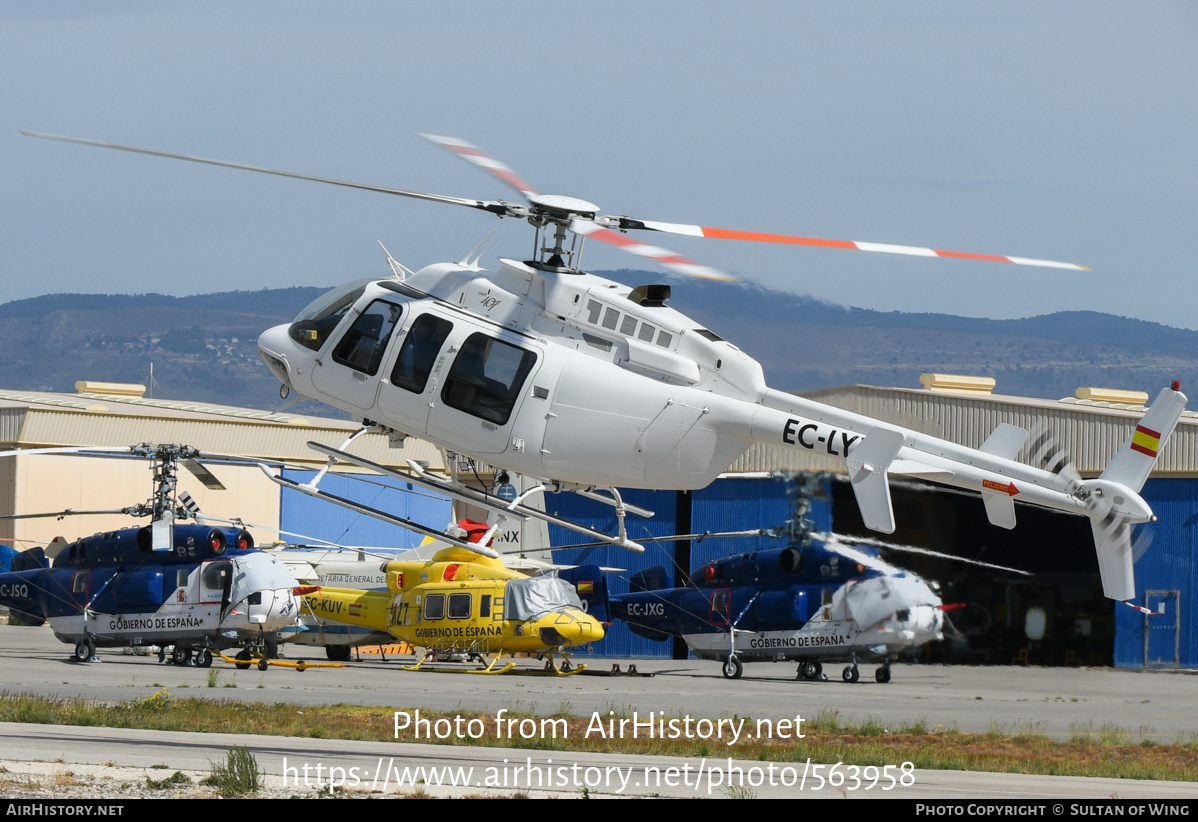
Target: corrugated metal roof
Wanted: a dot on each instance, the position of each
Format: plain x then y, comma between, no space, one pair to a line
37,419
1091,432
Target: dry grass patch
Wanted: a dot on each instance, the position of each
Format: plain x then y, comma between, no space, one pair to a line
1106,751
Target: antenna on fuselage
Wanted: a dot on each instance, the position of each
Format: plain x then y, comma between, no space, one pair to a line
478,251
400,271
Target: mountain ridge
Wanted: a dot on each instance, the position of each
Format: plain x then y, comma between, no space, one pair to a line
203,346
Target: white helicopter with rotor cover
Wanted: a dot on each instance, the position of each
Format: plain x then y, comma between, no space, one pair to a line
194,587
543,369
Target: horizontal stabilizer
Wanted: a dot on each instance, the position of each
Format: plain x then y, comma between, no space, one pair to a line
914,468
1005,441
868,465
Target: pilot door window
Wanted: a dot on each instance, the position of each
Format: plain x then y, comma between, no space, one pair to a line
721,606
363,345
419,352
486,378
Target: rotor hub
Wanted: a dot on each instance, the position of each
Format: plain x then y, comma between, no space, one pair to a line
560,212
560,207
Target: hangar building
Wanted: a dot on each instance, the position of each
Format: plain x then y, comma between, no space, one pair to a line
115,415
1081,626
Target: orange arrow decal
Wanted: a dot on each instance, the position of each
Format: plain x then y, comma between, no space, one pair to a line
998,486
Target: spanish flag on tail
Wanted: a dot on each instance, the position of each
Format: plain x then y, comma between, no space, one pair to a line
1135,459
1146,441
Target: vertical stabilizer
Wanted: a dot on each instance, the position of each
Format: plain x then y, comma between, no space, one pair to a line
1135,459
1128,472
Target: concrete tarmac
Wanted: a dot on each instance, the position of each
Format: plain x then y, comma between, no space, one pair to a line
1056,702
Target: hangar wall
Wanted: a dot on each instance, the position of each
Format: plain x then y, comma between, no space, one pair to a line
311,517
1166,577
725,505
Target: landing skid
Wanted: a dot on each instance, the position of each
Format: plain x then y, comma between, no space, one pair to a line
552,668
486,671
493,668
245,659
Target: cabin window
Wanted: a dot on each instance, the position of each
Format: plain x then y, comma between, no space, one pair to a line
610,318
719,606
647,332
181,578
217,575
486,378
628,326
434,606
79,582
459,606
484,605
419,352
315,323
664,339
594,309
362,346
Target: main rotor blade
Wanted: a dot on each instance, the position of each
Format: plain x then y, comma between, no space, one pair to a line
69,513
861,557
661,256
494,206
759,532
96,450
627,223
202,473
912,549
480,159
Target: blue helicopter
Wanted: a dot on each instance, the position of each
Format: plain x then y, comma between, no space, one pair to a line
197,588
819,603
823,598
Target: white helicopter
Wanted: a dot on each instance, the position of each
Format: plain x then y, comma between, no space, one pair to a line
824,598
551,372
197,588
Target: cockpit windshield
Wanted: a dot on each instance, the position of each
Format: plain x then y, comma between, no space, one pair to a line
312,327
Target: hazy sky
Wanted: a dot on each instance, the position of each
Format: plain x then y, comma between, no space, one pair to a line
1060,130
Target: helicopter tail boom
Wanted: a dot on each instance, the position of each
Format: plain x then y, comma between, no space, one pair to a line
873,452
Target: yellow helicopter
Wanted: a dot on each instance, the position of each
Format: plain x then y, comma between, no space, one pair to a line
464,602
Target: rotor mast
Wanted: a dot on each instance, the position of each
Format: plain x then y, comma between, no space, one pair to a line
560,212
